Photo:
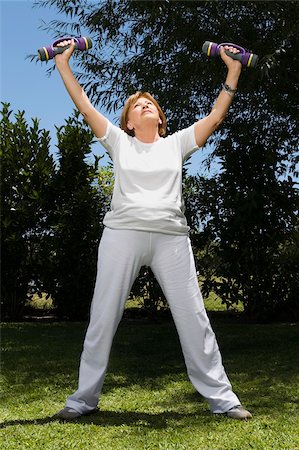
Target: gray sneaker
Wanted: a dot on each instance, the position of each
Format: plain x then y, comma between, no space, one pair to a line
69,413
238,412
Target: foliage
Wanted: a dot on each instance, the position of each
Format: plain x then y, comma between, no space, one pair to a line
250,230
51,217
148,289
247,212
27,171
156,46
40,302
247,250
105,183
76,222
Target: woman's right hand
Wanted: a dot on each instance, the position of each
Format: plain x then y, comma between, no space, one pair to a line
64,57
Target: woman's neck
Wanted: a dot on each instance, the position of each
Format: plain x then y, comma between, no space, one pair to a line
147,135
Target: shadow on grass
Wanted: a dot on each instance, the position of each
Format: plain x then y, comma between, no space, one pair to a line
115,419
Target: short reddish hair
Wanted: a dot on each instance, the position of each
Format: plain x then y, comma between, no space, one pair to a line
132,99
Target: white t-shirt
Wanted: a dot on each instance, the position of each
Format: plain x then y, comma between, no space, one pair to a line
147,192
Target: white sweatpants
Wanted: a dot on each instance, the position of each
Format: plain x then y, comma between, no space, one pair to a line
121,255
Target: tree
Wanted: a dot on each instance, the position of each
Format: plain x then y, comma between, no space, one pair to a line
251,226
27,171
156,46
76,222
51,217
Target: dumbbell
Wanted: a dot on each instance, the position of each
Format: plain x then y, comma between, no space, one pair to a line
46,53
246,58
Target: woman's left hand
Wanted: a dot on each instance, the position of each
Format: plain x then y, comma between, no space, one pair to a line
231,63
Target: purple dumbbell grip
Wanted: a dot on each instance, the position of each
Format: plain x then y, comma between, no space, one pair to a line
247,59
244,55
242,50
81,43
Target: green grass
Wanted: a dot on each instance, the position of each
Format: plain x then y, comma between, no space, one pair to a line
148,402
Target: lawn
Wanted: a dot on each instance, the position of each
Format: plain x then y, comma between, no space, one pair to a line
148,402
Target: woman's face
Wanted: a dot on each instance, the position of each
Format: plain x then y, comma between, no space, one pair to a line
141,113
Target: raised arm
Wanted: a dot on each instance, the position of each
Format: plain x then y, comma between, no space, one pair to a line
206,126
96,121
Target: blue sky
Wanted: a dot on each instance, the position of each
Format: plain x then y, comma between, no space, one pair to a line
26,85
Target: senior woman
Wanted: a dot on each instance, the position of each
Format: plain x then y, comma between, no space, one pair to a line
147,226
